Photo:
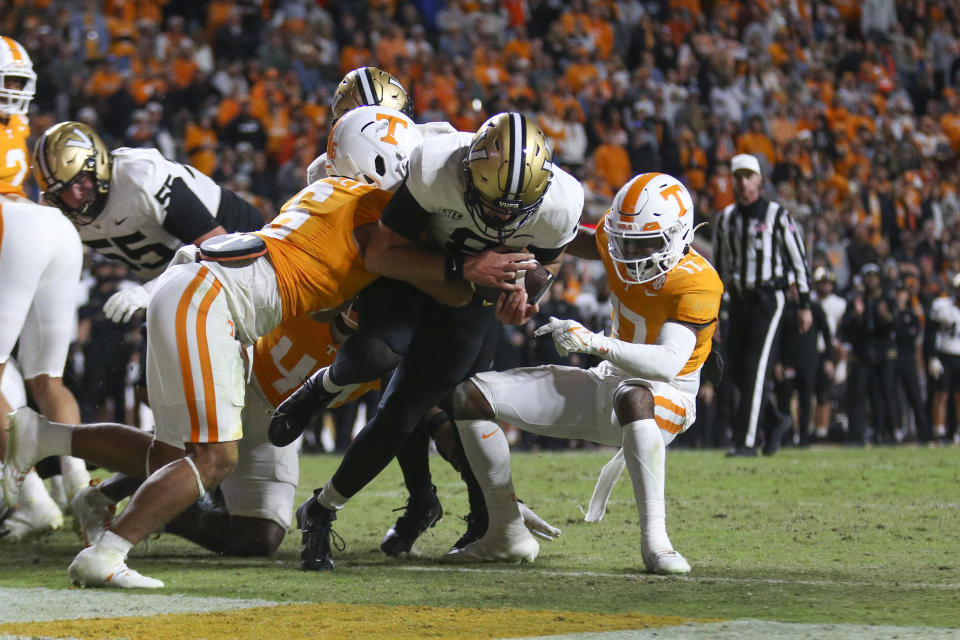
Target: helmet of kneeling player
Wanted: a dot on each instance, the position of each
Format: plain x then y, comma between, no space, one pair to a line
372,145
369,86
508,169
18,81
64,154
649,227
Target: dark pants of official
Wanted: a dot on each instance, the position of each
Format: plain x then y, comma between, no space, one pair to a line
448,345
751,351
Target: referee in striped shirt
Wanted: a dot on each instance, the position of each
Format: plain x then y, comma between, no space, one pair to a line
759,255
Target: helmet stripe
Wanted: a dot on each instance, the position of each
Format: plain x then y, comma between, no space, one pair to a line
629,204
518,143
14,48
365,78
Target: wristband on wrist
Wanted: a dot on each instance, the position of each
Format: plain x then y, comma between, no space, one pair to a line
453,268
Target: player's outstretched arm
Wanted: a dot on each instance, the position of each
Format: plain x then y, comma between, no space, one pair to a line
584,245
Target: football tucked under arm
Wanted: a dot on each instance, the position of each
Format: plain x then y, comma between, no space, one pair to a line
536,282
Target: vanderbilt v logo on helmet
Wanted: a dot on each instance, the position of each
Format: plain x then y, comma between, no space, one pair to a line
64,153
508,169
369,86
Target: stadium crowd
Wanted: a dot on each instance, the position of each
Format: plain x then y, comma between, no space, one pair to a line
851,108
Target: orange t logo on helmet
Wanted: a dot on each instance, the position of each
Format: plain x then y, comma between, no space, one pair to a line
675,191
393,122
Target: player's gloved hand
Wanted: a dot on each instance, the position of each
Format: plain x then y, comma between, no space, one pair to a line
571,336
935,368
121,306
537,525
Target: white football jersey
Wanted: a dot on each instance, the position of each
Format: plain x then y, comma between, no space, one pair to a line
318,168
437,182
133,227
945,313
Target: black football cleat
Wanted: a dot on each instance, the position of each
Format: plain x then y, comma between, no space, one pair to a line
302,410
476,527
315,523
417,517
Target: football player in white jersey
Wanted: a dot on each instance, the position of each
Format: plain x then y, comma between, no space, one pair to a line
133,205
308,259
476,208
943,365
40,261
666,298
369,86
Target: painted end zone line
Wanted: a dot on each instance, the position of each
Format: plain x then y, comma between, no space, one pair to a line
704,579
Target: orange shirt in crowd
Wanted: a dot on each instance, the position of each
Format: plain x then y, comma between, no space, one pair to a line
201,147
612,164
756,144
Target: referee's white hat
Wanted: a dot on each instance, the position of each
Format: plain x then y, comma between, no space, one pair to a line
745,161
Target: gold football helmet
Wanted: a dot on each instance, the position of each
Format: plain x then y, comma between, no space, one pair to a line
369,86
508,169
15,64
64,153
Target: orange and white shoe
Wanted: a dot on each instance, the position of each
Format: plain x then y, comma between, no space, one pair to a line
510,544
95,567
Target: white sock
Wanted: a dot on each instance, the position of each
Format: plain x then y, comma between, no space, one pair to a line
53,438
113,544
330,498
75,475
645,453
488,452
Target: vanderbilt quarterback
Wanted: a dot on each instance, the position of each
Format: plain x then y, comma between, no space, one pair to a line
202,315
474,208
40,263
665,299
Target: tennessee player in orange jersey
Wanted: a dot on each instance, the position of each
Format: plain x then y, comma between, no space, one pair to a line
665,298
199,321
18,83
40,262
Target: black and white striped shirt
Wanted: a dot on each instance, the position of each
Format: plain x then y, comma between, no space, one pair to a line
759,246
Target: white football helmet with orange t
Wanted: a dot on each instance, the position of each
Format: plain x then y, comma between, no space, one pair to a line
372,145
649,226
18,81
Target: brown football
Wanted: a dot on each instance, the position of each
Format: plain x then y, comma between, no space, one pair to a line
535,281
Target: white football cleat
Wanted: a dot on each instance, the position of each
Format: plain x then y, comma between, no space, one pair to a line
93,512
95,568
21,451
518,546
668,562
36,512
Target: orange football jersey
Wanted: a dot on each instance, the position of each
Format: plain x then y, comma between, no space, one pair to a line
14,159
291,353
312,248
690,293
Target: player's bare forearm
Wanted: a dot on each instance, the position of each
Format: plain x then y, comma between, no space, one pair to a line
390,254
584,245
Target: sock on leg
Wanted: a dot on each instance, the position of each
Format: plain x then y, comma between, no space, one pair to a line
644,453
489,455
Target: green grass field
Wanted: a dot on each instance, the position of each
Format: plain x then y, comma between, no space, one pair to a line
815,536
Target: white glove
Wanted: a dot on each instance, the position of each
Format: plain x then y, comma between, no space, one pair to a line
571,336
537,525
935,368
121,306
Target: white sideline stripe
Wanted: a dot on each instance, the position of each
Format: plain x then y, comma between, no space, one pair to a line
764,630
43,605
704,579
